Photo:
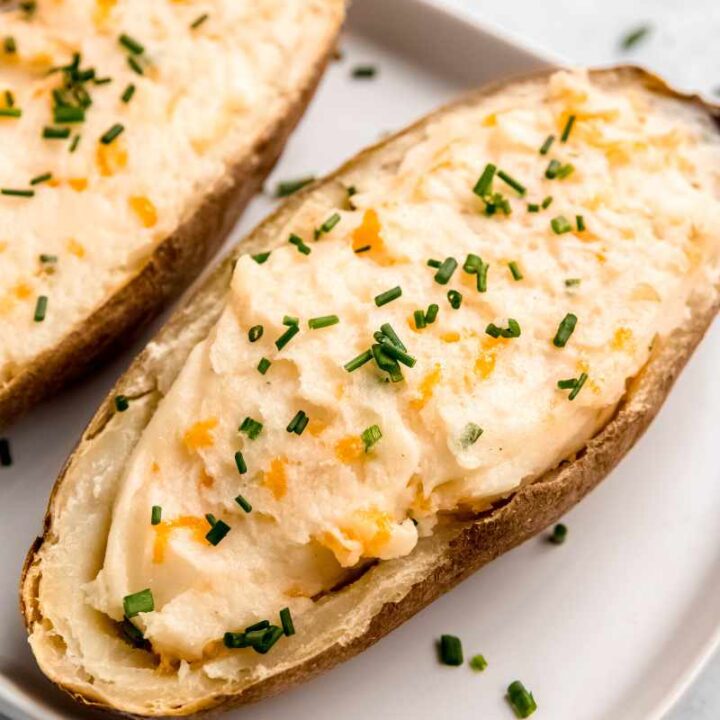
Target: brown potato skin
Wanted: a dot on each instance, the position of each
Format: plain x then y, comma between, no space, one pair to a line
509,523
171,268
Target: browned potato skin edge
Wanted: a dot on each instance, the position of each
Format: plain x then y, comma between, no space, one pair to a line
531,509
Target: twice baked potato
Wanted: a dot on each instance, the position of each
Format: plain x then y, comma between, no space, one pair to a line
413,366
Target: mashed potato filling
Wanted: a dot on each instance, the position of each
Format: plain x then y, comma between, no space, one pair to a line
355,460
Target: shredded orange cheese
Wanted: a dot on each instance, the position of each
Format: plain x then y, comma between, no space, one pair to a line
111,158
275,479
75,248
200,435
427,387
145,210
622,340
349,449
22,291
78,184
198,526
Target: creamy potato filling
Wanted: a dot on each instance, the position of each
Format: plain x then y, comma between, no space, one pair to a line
105,158
508,320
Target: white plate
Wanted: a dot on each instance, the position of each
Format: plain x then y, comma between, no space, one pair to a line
613,624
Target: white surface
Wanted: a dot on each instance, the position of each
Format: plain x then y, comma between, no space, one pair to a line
606,626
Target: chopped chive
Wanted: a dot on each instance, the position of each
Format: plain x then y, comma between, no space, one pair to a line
263,365
155,515
482,273
68,114
521,701
5,456
478,663
28,6
56,133
471,264
431,313
565,330
138,602
233,640
131,44
252,428
289,187
260,258
243,503
41,178
552,169
9,98
133,635
533,207
364,72
512,182
73,145
512,330
394,351
287,622
451,652
14,192
388,296
580,222
217,532
578,386
323,322
358,361
240,463
470,435
388,331
287,336
134,65
102,81
12,112
9,45
255,333
328,225
446,270
111,134
298,242
298,423
559,534
419,317
515,271
195,24
387,363
454,298
567,129
546,202
129,91
484,184
572,282
269,637
211,519
565,170
560,225
633,37
495,203
48,259
290,320
370,436
568,384
362,249
41,308
122,403
434,263
545,147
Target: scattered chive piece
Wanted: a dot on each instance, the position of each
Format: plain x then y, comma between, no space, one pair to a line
358,361
111,134
565,330
387,363
13,192
102,81
121,403
328,225
252,428
455,299
5,456
419,317
243,503
482,273
13,112
138,602
9,98
512,182
128,93
131,44
287,336
512,330
478,663
580,222
298,242
289,187
496,203
263,365
132,634
388,296
56,133
362,249
533,207
394,351
155,515
255,333
568,384
68,114
431,313
567,129
290,320
323,322
260,625
552,169
470,435
270,636
134,65
195,24
559,534
41,178
633,37
370,436
434,263
578,386
235,640
483,185
298,423
572,282
388,330
40,308
48,259
73,145
451,652
546,202
565,170
217,532
9,45
364,72
260,258
522,702
471,264
515,271
240,463
560,225
211,519
545,147
446,270
286,622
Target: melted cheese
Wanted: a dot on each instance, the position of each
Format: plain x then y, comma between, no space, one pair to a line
323,501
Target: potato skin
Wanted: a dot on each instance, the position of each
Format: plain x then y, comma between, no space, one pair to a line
507,524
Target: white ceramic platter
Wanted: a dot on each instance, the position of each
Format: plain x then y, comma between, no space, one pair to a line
612,625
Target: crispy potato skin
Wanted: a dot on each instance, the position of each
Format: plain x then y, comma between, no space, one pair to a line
507,524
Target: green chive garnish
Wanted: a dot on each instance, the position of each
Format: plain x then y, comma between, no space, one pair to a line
12,112
451,652
431,313
565,330
132,634
240,463
255,333
358,361
389,332
195,24
478,663
290,320
483,185
131,44
533,207
121,403
41,308
287,336
482,273
565,170
370,436
323,321
260,258
633,37
552,169
512,182
243,503
263,365
41,178
572,282
328,225
515,271
5,456
68,114
471,264
73,145
362,249
111,134
134,65
14,192
580,222
545,147
286,622
155,515
9,98
289,187
522,702
9,45
298,242
388,296
560,225
470,435
434,263
446,270
252,428
573,384
512,330
217,532
298,423
56,133
364,72
419,317
129,91
454,298
568,129
394,351
546,202
138,602
387,363
559,534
